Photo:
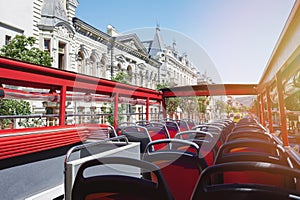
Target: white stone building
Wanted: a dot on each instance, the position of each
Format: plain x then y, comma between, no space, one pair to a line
79,47
176,68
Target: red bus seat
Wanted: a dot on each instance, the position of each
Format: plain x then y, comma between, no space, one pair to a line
119,186
180,165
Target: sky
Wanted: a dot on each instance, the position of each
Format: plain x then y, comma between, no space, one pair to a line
229,40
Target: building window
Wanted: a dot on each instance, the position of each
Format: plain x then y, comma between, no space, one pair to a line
93,66
80,62
61,55
7,39
119,67
47,45
129,72
141,79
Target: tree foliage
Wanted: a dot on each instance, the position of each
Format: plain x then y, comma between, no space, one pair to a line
231,109
22,48
160,86
120,77
220,105
292,102
189,105
14,107
171,103
203,102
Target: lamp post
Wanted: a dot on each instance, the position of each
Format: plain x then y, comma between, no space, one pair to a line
111,48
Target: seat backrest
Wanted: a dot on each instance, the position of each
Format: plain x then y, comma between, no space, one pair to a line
239,149
172,144
119,186
194,134
183,125
157,131
208,128
252,151
137,134
215,130
246,135
247,127
172,127
205,141
122,125
191,123
225,129
262,181
142,123
179,165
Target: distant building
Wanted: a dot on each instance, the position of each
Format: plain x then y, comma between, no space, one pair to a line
203,79
176,68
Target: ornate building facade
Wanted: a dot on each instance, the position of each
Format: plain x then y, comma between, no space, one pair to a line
79,47
176,68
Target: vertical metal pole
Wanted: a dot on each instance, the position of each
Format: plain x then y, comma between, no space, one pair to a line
112,43
263,110
284,132
69,180
163,103
269,108
116,110
257,107
147,108
62,105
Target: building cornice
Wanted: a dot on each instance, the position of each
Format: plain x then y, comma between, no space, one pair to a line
13,28
90,31
99,36
73,2
180,65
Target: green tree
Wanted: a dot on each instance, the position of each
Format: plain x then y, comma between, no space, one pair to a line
14,107
21,48
230,108
120,77
160,86
292,102
220,105
171,103
203,101
188,105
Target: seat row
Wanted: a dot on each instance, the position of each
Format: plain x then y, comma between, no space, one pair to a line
240,160
249,164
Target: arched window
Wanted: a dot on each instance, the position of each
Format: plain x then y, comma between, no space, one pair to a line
119,67
80,62
129,72
93,65
141,78
151,79
103,65
147,78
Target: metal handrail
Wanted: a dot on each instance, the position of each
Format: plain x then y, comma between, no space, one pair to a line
68,188
82,146
49,115
41,131
67,115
